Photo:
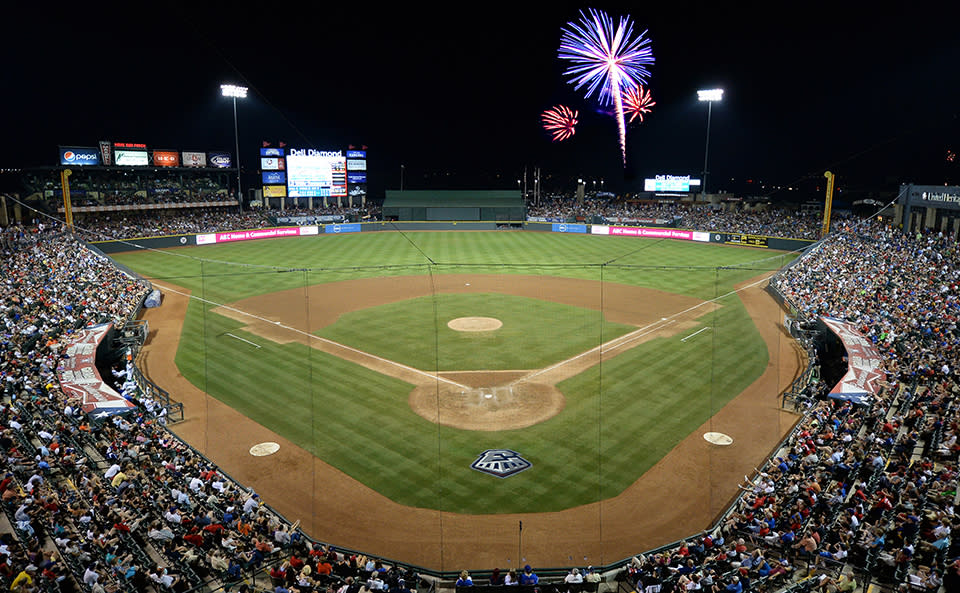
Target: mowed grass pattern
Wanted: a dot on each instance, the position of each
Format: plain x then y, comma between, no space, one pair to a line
414,332
620,417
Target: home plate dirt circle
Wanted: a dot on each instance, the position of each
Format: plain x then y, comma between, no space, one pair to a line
501,407
474,324
264,449
717,438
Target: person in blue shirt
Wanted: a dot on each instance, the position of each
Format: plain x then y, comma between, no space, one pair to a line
734,586
529,577
464,580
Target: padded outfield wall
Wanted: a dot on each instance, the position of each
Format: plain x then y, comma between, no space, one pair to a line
185,240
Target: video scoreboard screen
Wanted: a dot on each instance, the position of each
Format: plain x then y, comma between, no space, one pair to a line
316,173
670,183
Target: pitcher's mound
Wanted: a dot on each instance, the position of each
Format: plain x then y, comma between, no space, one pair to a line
474,324
503,407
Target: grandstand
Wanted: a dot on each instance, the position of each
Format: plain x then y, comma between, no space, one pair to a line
861,494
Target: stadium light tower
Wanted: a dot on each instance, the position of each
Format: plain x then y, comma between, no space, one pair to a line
233,91
710,96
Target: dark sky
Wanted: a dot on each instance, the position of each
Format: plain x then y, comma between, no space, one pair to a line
455,93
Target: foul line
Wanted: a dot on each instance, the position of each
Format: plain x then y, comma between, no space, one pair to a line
694,333
602,349
636,334
242,339
324,340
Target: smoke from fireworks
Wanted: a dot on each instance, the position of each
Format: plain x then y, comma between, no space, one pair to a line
560,121
607,59
636,102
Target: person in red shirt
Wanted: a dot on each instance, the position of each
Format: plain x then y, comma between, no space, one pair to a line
194,538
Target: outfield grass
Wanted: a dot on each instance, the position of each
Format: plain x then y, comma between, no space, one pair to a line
619,420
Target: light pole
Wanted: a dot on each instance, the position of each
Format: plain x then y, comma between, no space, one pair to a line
402,167
710,96
233,91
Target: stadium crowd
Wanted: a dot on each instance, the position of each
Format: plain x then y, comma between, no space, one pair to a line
120,504
103,226
773,223
857,491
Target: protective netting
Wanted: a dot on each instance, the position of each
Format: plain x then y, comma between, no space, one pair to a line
480,415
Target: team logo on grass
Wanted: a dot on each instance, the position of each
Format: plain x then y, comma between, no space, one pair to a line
502,463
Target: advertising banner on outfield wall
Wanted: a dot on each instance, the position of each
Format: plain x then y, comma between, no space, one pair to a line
79,377
342,228
864,364
563,227
297,231
648,233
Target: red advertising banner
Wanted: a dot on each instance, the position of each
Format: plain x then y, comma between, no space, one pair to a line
864,364
166,158
79,377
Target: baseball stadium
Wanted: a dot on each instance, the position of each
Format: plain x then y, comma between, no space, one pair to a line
412,400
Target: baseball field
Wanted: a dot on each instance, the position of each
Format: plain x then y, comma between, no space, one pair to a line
430,390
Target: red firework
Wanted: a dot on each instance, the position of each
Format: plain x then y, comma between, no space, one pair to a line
636,102
560,121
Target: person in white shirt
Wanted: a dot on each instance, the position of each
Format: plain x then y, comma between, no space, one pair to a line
90,575
573,577
114,470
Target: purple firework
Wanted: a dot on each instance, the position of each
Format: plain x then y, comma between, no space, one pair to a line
608,60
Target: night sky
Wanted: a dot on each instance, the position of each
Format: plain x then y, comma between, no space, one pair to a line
454,93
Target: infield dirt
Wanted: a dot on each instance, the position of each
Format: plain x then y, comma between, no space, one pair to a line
676,498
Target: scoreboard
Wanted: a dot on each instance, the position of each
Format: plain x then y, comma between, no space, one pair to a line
312,173
746,240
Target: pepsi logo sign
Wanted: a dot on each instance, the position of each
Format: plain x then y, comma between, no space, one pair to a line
79,157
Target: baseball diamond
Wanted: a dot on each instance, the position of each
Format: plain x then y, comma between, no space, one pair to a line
383,412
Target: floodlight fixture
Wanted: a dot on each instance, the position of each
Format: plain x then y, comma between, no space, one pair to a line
233,90
710,95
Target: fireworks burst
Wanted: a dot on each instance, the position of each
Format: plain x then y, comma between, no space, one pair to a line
636,102
607,60
560,121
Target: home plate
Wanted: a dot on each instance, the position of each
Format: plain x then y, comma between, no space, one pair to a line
264,449
717,438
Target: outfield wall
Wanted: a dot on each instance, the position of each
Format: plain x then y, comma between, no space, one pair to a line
726,238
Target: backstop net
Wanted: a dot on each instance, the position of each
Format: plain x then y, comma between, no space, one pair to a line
480,414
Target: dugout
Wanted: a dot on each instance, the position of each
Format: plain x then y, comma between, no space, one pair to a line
459,205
